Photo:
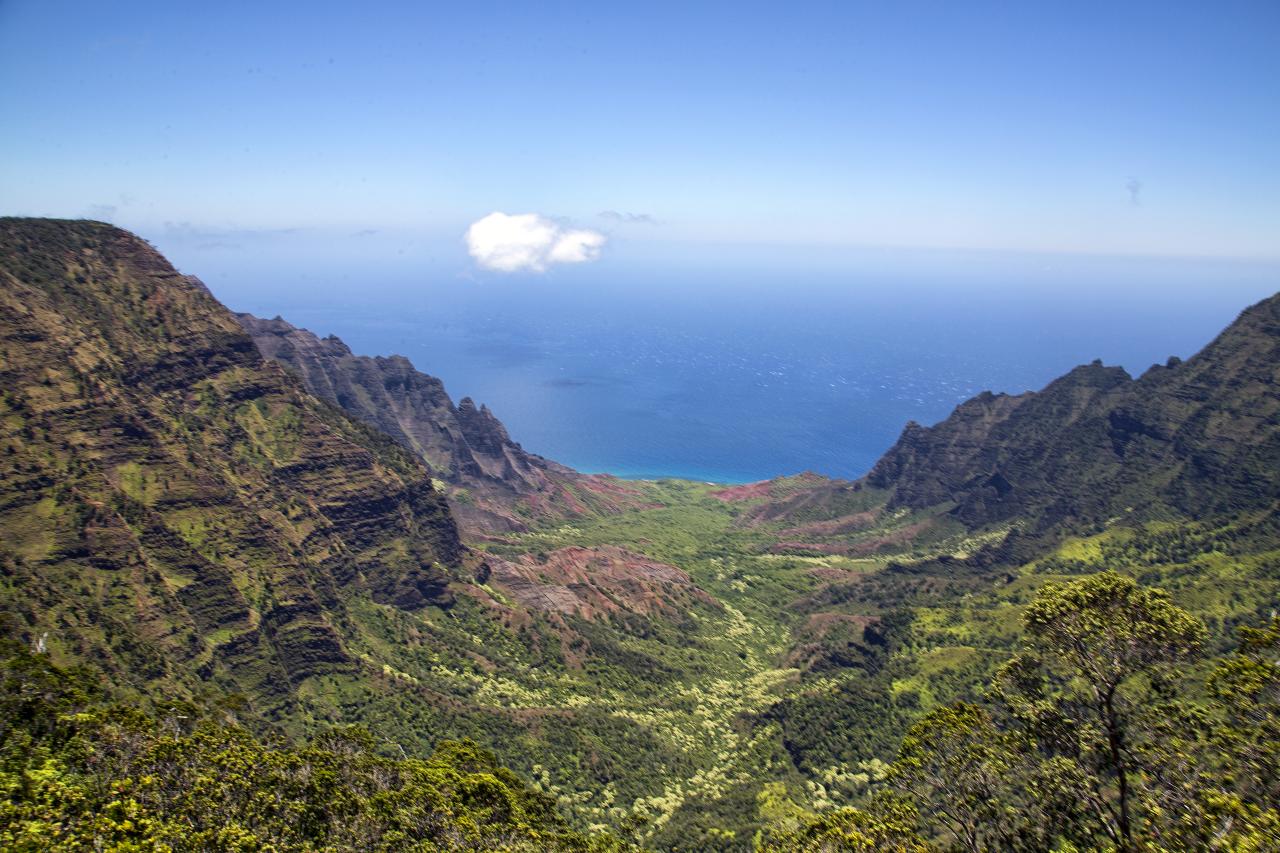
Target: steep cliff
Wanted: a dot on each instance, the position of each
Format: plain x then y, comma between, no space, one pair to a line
170,502
495,485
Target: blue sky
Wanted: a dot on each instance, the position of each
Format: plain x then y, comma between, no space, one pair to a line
1109,128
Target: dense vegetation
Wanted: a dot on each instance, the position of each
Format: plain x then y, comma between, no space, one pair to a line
1091,738
82,773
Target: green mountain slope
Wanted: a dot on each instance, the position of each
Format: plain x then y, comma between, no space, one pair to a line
1194,437
173,507
81,772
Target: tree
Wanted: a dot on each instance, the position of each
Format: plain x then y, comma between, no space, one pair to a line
1086,745
80,773
887,827
1098,646
1245,689
956,760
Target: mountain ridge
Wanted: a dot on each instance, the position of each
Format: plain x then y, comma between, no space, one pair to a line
496,485
1096,442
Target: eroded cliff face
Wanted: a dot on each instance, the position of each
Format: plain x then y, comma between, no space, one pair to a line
496,486
1195,437
170,502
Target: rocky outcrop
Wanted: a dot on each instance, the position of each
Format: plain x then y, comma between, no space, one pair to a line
170,502
386,393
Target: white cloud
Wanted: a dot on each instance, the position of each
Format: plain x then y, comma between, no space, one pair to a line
527,241
575,247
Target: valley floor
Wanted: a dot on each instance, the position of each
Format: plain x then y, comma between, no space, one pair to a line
777,674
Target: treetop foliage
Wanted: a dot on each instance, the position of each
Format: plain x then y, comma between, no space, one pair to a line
1087,745
79,773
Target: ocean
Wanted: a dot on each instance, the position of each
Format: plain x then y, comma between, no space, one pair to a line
692,371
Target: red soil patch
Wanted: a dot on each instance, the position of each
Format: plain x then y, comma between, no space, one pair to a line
594,582
745,492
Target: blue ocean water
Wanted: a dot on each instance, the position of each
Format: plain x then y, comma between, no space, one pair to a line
737,377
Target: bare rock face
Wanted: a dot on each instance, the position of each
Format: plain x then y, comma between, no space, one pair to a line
495,484
170,502
485,434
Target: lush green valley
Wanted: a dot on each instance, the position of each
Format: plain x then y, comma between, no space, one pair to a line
262,541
